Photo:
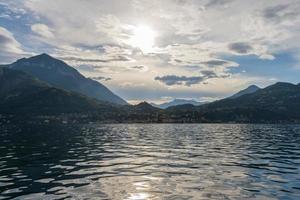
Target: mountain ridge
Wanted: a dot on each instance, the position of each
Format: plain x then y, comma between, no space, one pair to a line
59,74
23,93
250,89
280,101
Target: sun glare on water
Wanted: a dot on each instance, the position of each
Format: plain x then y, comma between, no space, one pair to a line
143,38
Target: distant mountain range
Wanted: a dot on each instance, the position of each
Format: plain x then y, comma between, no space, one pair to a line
177,102
276,103
60,75
42,87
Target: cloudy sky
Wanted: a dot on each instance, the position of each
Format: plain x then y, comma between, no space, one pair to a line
156,50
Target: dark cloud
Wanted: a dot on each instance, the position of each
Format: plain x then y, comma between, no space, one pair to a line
5,40
115,58
213,3
240,47
210,63
99,48
179,80
209,74
101,78
273,11
138,67
181,2
192,80
215,62
178,61
280,12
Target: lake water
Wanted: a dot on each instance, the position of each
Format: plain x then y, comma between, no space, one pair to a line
150,161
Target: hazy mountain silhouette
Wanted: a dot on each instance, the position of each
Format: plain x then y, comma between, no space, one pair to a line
59,74
177,102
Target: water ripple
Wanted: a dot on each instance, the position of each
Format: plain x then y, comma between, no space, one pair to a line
144,161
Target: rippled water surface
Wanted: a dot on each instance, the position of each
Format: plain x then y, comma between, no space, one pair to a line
139,161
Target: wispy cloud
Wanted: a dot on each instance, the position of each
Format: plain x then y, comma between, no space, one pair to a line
9,46
101,78
42,30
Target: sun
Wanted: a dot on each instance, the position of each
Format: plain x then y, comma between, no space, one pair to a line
143,38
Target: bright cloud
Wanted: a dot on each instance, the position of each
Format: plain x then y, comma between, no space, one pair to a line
42,30
10,48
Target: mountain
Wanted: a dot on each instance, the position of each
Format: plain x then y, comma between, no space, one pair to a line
21,93
141,113
24,95
248,90
144,106
275,103
60,75
177,102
